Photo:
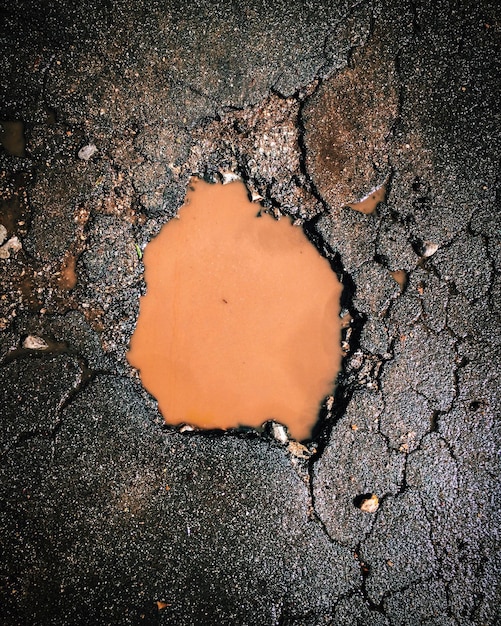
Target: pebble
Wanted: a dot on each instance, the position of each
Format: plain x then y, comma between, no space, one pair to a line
32,342
87,151
279,432
370,505
229,177
13,245
429,248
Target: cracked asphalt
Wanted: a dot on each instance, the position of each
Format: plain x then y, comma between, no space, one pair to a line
389,515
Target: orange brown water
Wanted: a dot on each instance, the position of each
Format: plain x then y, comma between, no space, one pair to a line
67,279
368,205
240,323
401,277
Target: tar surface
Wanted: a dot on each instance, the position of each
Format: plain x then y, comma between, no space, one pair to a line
390,514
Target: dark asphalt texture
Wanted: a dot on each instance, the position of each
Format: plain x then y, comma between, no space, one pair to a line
108,516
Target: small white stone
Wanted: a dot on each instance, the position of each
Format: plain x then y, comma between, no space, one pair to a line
279,432
256,197
3,233
229,177
13,245
429,248
87,151
32,342
370,505
329,403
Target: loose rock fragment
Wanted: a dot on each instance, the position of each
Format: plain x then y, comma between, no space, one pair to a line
186,428
228,177
255,196
32,342
279,432
298,450
13,245
428,248
369,504
87,152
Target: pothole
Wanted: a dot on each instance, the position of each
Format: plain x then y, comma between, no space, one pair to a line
368,204
241,320
12,137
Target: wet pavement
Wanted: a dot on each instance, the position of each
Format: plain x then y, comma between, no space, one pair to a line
389,515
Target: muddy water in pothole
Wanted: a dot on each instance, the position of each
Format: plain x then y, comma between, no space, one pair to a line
12,138
400,276
368,204
67,279
240,323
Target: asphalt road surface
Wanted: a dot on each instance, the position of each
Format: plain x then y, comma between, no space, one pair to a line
389,515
